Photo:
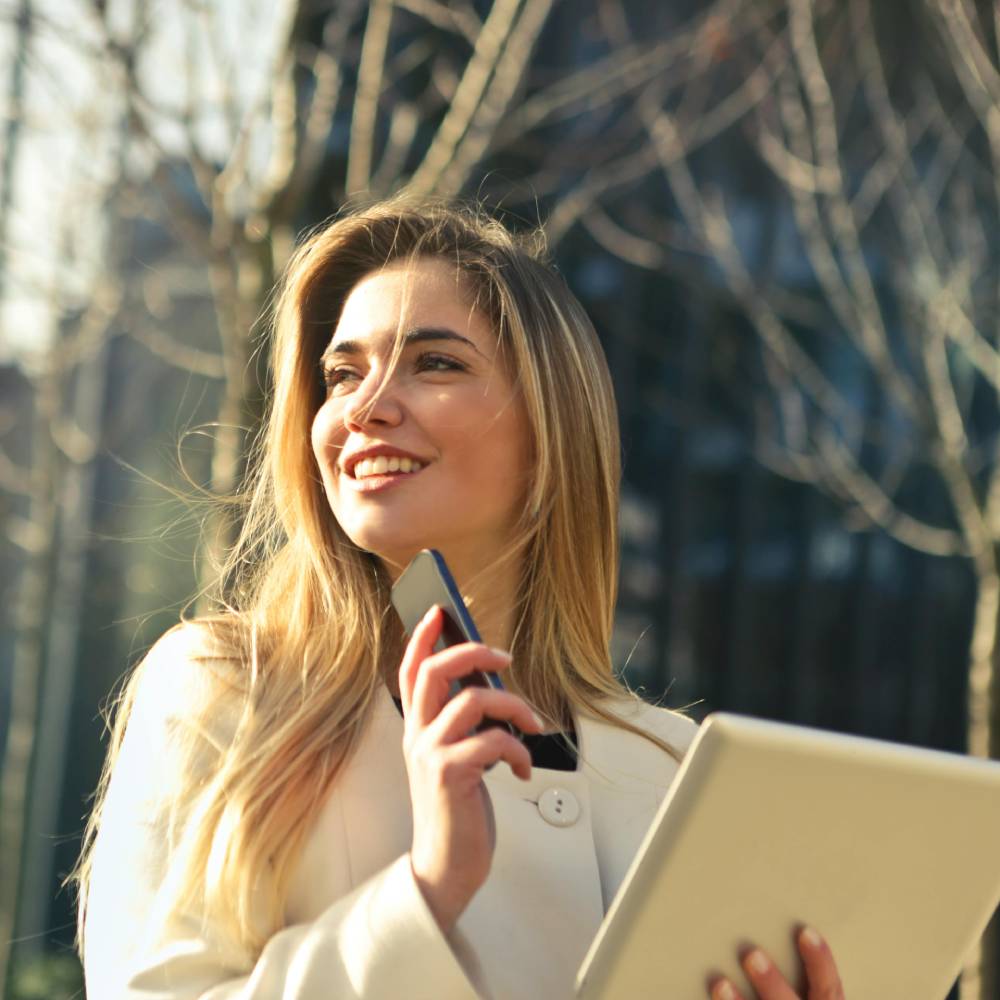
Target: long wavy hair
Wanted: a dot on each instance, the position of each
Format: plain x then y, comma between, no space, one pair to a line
305,612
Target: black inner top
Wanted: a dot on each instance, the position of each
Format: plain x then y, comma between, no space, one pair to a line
550,750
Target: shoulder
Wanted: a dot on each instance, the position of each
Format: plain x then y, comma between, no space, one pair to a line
634,747
190,664
209,641
630,757
187,688
670,726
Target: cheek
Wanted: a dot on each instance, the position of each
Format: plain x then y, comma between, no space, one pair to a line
503,454
323,437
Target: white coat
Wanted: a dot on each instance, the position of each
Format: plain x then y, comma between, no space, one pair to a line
357,925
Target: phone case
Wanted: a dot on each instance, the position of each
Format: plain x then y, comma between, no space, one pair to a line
425,582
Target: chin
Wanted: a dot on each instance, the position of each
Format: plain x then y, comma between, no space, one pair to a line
393,551
396,558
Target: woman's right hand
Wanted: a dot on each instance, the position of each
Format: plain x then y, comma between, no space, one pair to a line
453,831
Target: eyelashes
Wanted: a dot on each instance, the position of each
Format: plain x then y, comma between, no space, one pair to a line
332,377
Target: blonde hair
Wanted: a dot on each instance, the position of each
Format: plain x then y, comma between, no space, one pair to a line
306,609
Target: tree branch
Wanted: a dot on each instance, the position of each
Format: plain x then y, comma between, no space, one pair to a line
178,355
880,509
365,115
496,38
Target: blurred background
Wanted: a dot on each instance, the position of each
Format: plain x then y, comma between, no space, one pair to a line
781,215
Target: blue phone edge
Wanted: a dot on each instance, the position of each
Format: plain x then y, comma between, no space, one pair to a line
459,606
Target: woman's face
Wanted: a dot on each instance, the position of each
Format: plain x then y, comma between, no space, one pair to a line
449,406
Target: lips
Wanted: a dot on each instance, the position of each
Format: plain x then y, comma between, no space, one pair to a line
382,464
378,483
378,459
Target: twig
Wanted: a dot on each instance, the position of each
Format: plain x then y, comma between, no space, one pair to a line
365,114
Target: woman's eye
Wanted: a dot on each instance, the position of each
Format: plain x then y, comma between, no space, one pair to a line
438,363
332,377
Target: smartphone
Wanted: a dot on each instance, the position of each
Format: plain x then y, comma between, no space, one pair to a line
425,582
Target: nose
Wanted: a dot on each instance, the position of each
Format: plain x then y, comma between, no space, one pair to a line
373,402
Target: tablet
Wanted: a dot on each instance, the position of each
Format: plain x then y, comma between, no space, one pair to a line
892,853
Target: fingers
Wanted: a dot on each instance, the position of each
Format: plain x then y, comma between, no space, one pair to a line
723,989
821,970
420,646
426,676
450,732
479,752
769,984
435,720
468,708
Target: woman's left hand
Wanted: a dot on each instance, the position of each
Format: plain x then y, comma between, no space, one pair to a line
822,978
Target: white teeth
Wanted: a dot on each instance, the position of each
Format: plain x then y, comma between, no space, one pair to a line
381,464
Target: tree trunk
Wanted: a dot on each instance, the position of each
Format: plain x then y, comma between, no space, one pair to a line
30,618
241,278
15,750
979,977
61,660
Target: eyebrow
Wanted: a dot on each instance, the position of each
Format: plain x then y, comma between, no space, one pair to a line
417,336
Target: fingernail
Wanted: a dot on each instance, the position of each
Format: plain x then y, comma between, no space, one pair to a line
430,612
538,720
811,938
724,990
758,962
501,652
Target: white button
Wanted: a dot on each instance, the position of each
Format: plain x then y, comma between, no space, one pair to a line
559,807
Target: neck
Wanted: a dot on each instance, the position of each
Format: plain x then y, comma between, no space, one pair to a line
490,598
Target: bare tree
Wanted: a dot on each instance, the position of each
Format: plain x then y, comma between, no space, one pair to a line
61,446
884,161
52,533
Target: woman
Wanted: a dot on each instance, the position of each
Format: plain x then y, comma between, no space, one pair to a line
292,806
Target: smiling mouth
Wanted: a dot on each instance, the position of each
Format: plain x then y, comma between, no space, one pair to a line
384,465
371,482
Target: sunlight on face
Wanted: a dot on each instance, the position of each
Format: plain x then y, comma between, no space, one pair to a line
449,405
